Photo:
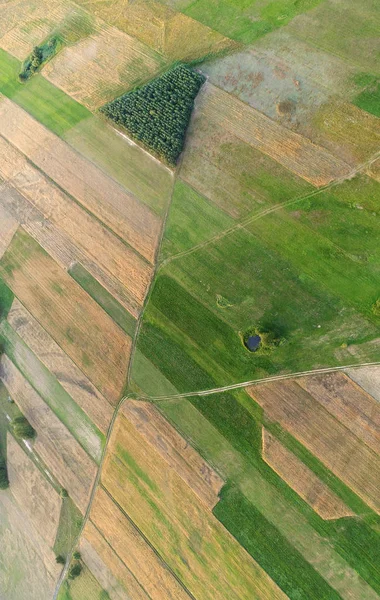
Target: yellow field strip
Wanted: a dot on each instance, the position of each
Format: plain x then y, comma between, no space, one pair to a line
72,318
86,232
321,433
76,384
120,211
182,457
293,151
303,481
61,453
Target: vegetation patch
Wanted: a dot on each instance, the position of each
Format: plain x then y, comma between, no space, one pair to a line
40,56
22,429
157,114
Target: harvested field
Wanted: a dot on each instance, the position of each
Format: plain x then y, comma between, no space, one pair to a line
59,246
138,556
311,424
348,403
64,310
206,558
8,227
368,378
63,456
312,163
37,499
67,373
98,193
299,477
92,75
111,572
95,240
179,455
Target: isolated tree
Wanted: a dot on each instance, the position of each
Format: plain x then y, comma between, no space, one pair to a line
60,559
75,570
77,555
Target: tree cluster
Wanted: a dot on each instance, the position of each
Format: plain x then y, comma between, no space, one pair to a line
4,482
39,55
22,429
158,113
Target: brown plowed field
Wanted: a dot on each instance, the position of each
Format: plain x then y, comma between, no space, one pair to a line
293,151
73,319
184,532
351,405
110,571
67,373
307,485
149,570
61,453
35,496
123,213
182,457
87,232
310,423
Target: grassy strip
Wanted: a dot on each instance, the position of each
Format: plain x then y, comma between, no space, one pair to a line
70,522
51,391
283,563
46,103
112,307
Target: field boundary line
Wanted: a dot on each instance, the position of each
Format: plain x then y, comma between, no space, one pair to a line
271,209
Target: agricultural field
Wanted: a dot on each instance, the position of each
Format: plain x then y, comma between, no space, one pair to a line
189,300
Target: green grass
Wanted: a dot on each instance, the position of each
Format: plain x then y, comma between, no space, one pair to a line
192,220
111,306
285,565
369,99
6,299
46,103
50,390
70,523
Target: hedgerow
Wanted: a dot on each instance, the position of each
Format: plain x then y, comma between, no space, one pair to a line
158,113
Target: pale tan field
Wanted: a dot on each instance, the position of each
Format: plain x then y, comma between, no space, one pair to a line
138,556
23,24
86,232
92,74
307,485
38,500
8,227
67,373
310,423
368,378
133,221
73,319
61,453
179,455
112,573
297,153
184,532
59,246
348,403
175,35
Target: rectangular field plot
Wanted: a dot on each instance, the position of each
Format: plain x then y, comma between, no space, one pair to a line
205,557
73,319
63,456
336,447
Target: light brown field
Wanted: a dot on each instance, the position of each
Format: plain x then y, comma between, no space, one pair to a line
368,378
133,221
92,74
297,153
146,566
111,572
175,35
374,170
25,24
302,479
346,401
61,453
192,542
59,246
179,455
311,424
87,233
73,319
37,499
67,373
8,227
